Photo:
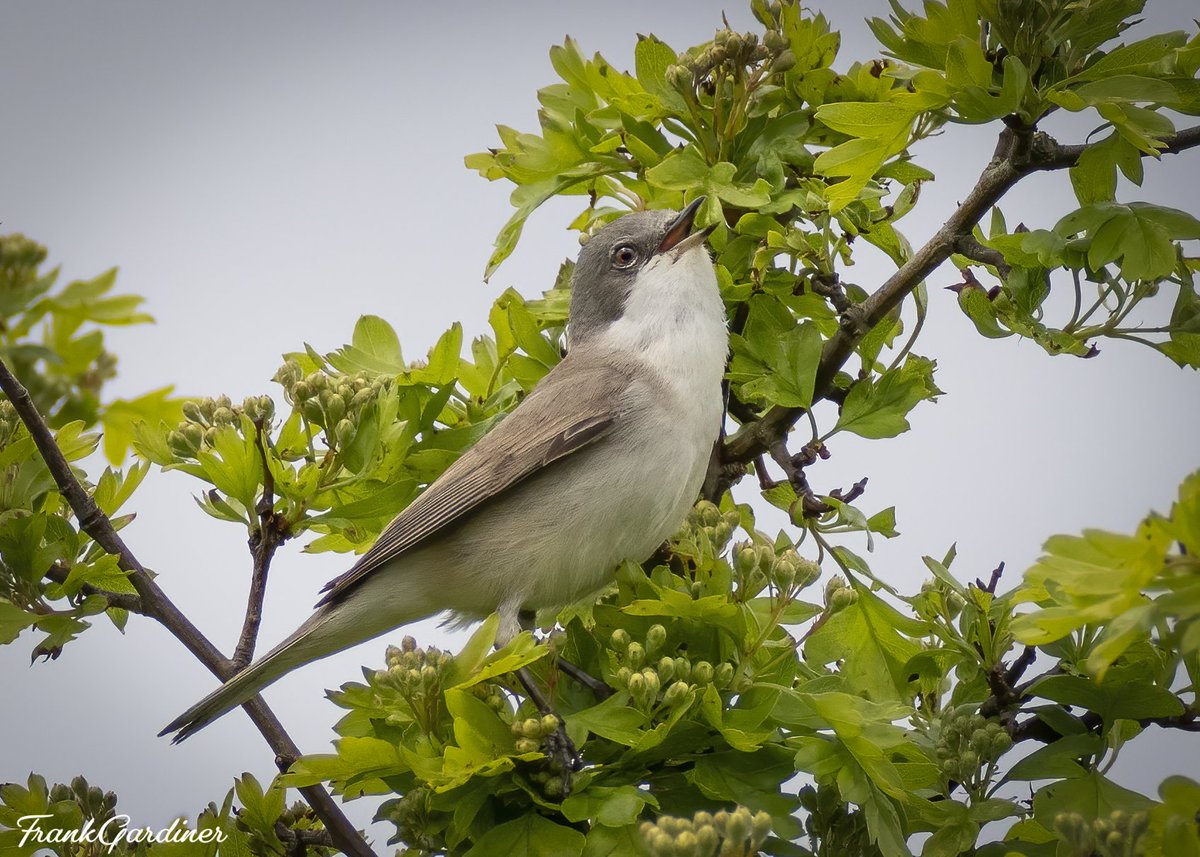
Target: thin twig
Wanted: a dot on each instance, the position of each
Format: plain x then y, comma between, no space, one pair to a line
156,605
967,245
271,533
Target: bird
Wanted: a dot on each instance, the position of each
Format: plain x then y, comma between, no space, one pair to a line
600,463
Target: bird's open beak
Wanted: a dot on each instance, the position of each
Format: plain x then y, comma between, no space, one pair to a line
679,237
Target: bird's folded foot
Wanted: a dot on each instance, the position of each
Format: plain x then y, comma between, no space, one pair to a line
563,758
560,750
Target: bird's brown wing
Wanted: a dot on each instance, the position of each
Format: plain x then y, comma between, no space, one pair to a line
567,411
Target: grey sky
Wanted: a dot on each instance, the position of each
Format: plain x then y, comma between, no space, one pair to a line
265,173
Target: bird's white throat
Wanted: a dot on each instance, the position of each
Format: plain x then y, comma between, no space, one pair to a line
675,321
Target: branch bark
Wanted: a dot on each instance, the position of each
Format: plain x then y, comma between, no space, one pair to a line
272,532
157,605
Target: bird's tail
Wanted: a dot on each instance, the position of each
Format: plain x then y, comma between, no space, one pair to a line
285,657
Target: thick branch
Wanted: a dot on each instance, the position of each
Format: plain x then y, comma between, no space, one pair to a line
1018,153
156,604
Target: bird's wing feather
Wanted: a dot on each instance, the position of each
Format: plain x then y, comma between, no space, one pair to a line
566,412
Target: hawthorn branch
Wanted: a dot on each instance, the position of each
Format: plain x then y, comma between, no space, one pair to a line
271,533
1019,152
158,606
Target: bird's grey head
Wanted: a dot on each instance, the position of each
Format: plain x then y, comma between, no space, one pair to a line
612,260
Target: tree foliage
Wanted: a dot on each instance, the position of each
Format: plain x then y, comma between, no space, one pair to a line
771,692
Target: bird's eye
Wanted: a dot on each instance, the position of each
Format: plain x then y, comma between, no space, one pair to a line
624,256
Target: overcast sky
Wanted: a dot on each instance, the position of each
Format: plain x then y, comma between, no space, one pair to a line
265,173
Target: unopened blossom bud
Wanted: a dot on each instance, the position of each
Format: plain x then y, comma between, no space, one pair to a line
744,557
656,637
786,61
666,669
760,829
679,78
676,693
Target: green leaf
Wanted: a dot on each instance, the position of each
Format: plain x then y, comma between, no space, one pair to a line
1133,58
477,728
531,835
877,407
1092,796
611,806
1094,175
614,842
652,57
442,365
875,644
121,416
611,719
750,779
13,620
377,339
683,170
527,199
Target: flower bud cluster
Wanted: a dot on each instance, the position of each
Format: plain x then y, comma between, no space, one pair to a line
758,565
732,52
728,49
828,818
491,695
767,12
531,731
204,418
417,674
542,735
333,402
966,743
710,523
730,834
411,816
937,600
19,261
94,802
839,594
9,422
652,676
103,368
1116,836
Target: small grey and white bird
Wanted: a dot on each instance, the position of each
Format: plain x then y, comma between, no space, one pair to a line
599,464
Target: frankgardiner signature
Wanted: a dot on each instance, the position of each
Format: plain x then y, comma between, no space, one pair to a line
112,833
